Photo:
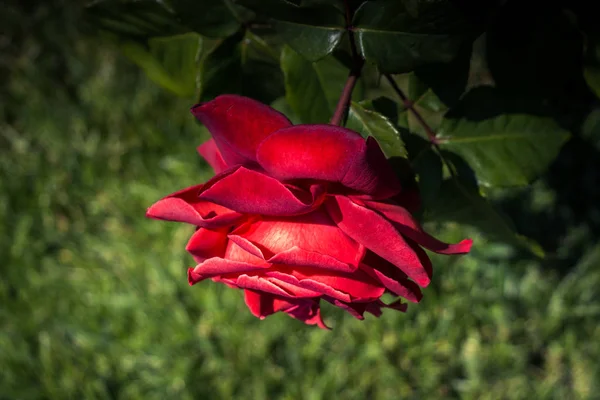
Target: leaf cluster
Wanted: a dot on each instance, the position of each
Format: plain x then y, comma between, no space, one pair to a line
466,98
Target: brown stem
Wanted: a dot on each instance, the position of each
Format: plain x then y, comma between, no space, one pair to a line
344,101
410,105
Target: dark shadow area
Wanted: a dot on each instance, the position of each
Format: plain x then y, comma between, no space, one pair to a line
571,221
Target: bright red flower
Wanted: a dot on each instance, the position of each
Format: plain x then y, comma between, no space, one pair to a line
300,213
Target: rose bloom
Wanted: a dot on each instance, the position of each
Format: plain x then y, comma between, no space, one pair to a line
299,214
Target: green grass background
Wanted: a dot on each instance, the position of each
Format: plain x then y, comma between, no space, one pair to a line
94,302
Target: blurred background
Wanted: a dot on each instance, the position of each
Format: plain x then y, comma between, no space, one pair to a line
94,301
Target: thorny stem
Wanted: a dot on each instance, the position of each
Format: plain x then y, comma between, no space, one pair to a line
344,101
410,105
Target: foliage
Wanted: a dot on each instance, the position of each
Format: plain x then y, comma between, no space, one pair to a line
93,297
499,118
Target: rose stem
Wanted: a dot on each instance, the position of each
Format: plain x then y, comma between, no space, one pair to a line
344,102
410,105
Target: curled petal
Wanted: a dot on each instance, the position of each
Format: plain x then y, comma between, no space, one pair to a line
210,152
374,307
308,312
391,277
250,192
206,243
217,267
343,286
308,239
293,256
264,304
328,153
261,284
409,227
238,124
378,235
186,206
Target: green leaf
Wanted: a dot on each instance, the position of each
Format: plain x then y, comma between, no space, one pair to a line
368,122
211,18
400,36
430,107
283,107
138,20
312,88
242,64
507,150
170,61
313,31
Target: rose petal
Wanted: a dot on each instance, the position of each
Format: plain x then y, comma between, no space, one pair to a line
238,124
409,227
391,277
248,191
308,239
374,307
261,284
308,312
378,235
210,152
328,153
185,206
262,305
217,267
206,243
343,286
293,256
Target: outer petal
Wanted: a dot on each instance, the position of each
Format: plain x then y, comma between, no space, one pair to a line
238,124
308,239
331,154
378,235
206,243
212,155
355,286
263,305
391,277
248,191
186,206
373,307
408,226
217,267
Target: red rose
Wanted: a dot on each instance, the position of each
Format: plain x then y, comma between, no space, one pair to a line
300,213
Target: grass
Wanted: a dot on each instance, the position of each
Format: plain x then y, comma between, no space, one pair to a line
94,302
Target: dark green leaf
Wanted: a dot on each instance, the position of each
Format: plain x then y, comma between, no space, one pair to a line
591,128
592,78
371,123
507,150
211,18
400,36
591,70
242,64
283,107
170,61
428,168
313,31
312,88
426,103
138,20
